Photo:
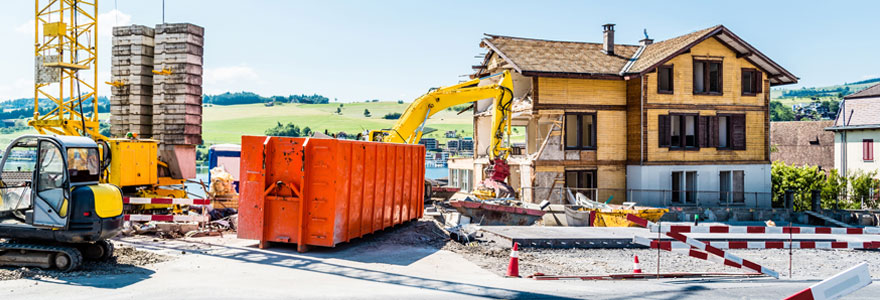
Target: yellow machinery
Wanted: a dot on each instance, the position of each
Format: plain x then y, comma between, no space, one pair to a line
409,127
66,43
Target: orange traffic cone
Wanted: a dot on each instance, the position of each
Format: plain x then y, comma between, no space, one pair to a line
513,267
636,268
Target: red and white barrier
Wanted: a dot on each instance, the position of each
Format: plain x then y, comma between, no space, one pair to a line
759,229
639,276
687,250
709,249
771,245
842,284
178,201
167,218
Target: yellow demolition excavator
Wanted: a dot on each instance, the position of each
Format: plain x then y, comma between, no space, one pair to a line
61,190
410,126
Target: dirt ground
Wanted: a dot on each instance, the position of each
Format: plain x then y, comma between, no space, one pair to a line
126,260
806,263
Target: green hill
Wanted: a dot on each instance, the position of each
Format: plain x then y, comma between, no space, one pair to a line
789,97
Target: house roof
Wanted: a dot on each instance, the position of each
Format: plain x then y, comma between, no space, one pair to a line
560,56
803,143
872,91
527,55
858,113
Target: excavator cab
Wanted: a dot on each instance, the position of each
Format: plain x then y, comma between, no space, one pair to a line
50,195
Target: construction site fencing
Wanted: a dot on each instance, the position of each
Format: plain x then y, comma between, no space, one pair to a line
651,197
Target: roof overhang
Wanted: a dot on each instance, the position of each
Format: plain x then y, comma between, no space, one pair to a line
853,127
776,73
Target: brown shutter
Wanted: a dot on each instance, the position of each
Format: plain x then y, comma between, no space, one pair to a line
703,132
759,78
713,131
738,131
742,80
663,130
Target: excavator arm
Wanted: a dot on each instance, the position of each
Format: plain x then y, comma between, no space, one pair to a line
410,125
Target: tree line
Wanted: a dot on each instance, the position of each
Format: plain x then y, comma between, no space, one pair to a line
252,98
23,108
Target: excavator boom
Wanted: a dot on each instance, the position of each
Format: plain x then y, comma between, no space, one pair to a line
410,125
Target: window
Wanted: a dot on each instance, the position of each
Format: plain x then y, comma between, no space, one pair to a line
582,181
664,80
723,132
52,177
707,77
679,131
684,186
82,164
732,186
751,81
868,149
580,131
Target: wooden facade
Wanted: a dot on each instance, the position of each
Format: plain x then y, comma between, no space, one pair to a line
627,109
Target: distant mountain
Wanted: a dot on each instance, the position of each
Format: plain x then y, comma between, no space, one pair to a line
834,91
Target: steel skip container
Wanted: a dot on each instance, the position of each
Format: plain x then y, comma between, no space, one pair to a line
322,192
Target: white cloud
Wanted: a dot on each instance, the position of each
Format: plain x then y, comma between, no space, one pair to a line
23,87
26,28
231,78
110,19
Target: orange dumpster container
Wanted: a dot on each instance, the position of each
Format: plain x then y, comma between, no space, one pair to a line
322,192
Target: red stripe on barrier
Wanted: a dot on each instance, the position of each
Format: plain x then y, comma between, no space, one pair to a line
755,229
161,201
679,229
732,264
855,231
738,245
719,229
163,218
774,245
823,230
791,230
806,294
808,244
637,220
699,254
839,245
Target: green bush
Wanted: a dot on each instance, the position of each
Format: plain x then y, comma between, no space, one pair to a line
803,180
392,116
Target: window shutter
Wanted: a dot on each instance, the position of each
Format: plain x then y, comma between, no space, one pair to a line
742,80
703,132
663,131
759,78
713,131
738,131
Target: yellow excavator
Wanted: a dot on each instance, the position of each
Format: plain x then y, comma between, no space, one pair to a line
410,126
61,192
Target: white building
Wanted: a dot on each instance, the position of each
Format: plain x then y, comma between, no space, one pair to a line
857,131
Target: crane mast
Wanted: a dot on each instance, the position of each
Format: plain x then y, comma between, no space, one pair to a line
66,67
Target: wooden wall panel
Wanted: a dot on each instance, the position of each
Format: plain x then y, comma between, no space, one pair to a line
582,91
684,84
755,147
611,141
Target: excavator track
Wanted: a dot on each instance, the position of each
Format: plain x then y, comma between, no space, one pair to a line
63,258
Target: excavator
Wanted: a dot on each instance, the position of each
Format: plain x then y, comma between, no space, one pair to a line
410,126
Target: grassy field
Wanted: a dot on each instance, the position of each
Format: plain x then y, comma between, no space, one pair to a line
226,124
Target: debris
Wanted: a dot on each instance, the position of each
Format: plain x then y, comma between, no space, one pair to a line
125,260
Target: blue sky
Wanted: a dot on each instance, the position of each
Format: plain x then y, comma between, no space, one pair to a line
390,50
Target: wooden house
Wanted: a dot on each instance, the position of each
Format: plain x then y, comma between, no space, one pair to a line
676,122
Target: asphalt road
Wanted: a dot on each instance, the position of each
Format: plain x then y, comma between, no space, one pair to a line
215,268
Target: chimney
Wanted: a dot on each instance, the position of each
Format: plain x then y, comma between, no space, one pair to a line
608,45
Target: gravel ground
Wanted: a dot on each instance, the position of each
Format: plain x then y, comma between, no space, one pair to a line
806,263
126,260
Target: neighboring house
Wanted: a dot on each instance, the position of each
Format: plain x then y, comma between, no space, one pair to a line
857,131
802,143
677,122
431,144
